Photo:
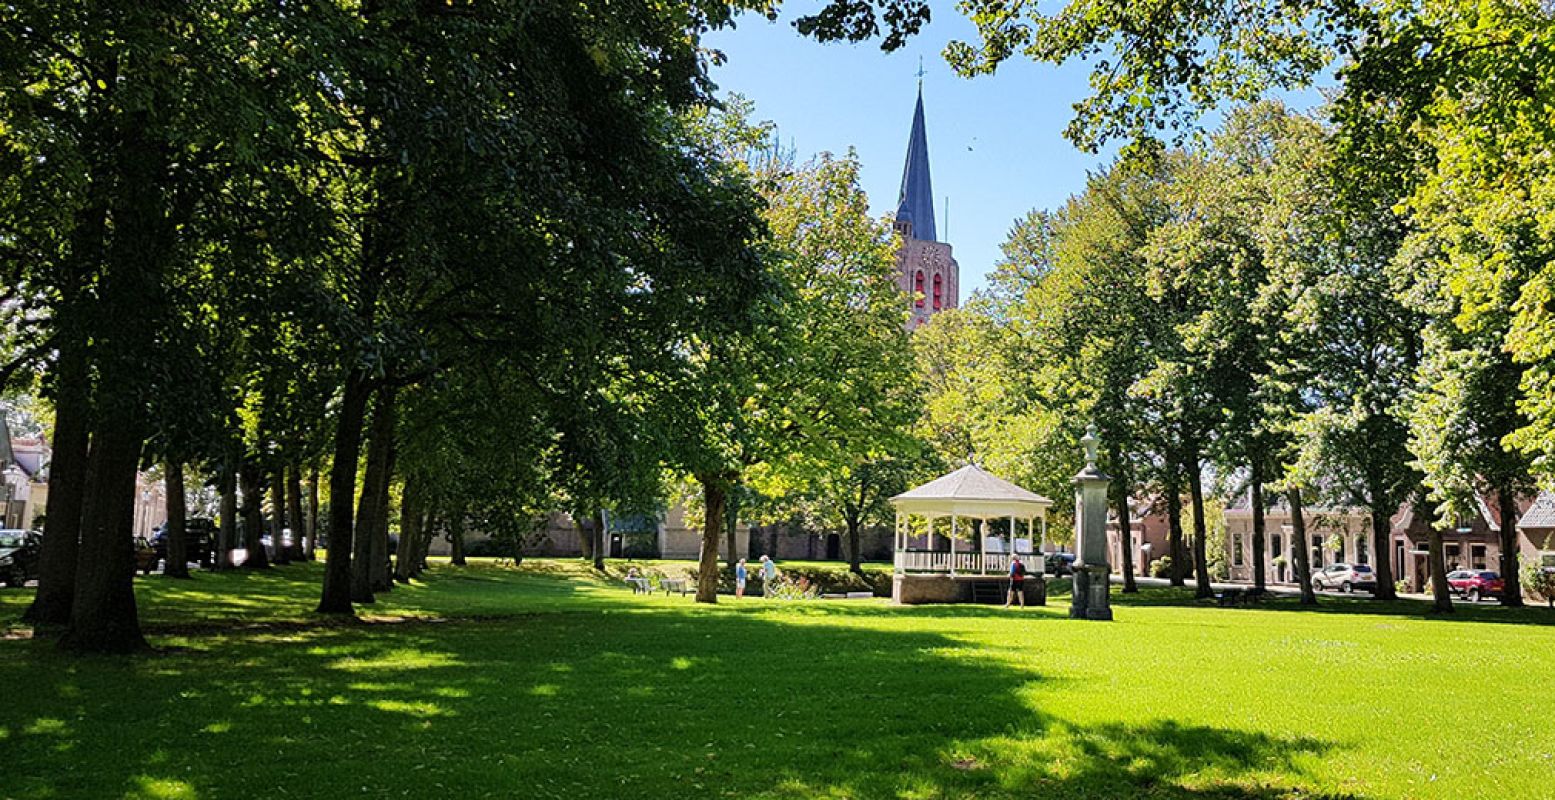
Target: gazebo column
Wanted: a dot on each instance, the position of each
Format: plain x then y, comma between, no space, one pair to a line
950,548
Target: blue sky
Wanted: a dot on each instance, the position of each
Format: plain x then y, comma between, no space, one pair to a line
996,145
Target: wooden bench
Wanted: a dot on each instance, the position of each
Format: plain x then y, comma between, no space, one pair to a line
639,585
674,585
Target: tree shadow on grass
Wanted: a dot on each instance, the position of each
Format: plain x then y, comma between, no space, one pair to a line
605,705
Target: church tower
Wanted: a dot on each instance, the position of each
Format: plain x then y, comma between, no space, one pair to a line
926,271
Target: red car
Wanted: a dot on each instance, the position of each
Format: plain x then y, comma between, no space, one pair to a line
1475,584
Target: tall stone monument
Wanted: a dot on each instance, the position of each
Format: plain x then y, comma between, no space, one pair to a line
1091,571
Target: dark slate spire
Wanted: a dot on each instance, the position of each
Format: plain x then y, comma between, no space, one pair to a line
916,204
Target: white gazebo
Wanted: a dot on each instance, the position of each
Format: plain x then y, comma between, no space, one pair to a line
955,509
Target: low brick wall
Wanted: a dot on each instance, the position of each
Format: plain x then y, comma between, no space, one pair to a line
911,590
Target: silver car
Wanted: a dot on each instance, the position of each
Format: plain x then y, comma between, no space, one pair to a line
1345,578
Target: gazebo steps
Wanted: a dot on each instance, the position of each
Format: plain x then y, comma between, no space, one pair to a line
988,592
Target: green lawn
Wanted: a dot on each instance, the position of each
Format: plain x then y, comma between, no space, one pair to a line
542,682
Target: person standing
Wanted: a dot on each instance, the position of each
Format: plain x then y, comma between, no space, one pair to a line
768,575
1017,582
739,579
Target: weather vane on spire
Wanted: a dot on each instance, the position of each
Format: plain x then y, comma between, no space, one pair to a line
920,72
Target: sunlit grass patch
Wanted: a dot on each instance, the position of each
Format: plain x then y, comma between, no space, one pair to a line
557,682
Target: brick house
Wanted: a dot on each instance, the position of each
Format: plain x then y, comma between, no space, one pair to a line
1344,535
1150,533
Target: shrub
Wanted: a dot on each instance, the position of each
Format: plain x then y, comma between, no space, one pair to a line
787,588
1538,580
486,548
826,580
1161,567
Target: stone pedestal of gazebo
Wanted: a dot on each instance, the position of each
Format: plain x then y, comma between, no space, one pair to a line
943,551
919,589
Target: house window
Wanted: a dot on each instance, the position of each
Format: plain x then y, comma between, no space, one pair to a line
1453,555
1477,555
918,288
1360,550
1237,559
1317,550
939,290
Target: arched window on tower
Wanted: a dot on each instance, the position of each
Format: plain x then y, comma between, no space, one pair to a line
918,288
939,290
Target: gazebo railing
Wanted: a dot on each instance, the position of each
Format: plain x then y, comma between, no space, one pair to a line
946,563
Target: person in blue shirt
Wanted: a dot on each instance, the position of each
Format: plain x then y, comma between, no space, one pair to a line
768,575
739,579
1017,582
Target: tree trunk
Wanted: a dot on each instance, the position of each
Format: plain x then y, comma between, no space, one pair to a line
297,551
1203,588
278,521
177,515
1441,591
456,538
601,539
127,291
1512,595
713,499
582,522
370,545
227,530
855,559
1382,534
67,489
103,615
1260,574
362,537
730,519
63,509
336,596
381,574
410,529
1174,523
313,513
1303,551
253,515
424,541
1125,523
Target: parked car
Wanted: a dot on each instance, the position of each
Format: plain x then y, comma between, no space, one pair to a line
1345,578
1059,564
18,556
199,541
1474,584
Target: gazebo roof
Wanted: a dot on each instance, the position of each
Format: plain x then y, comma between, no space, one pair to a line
972,492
